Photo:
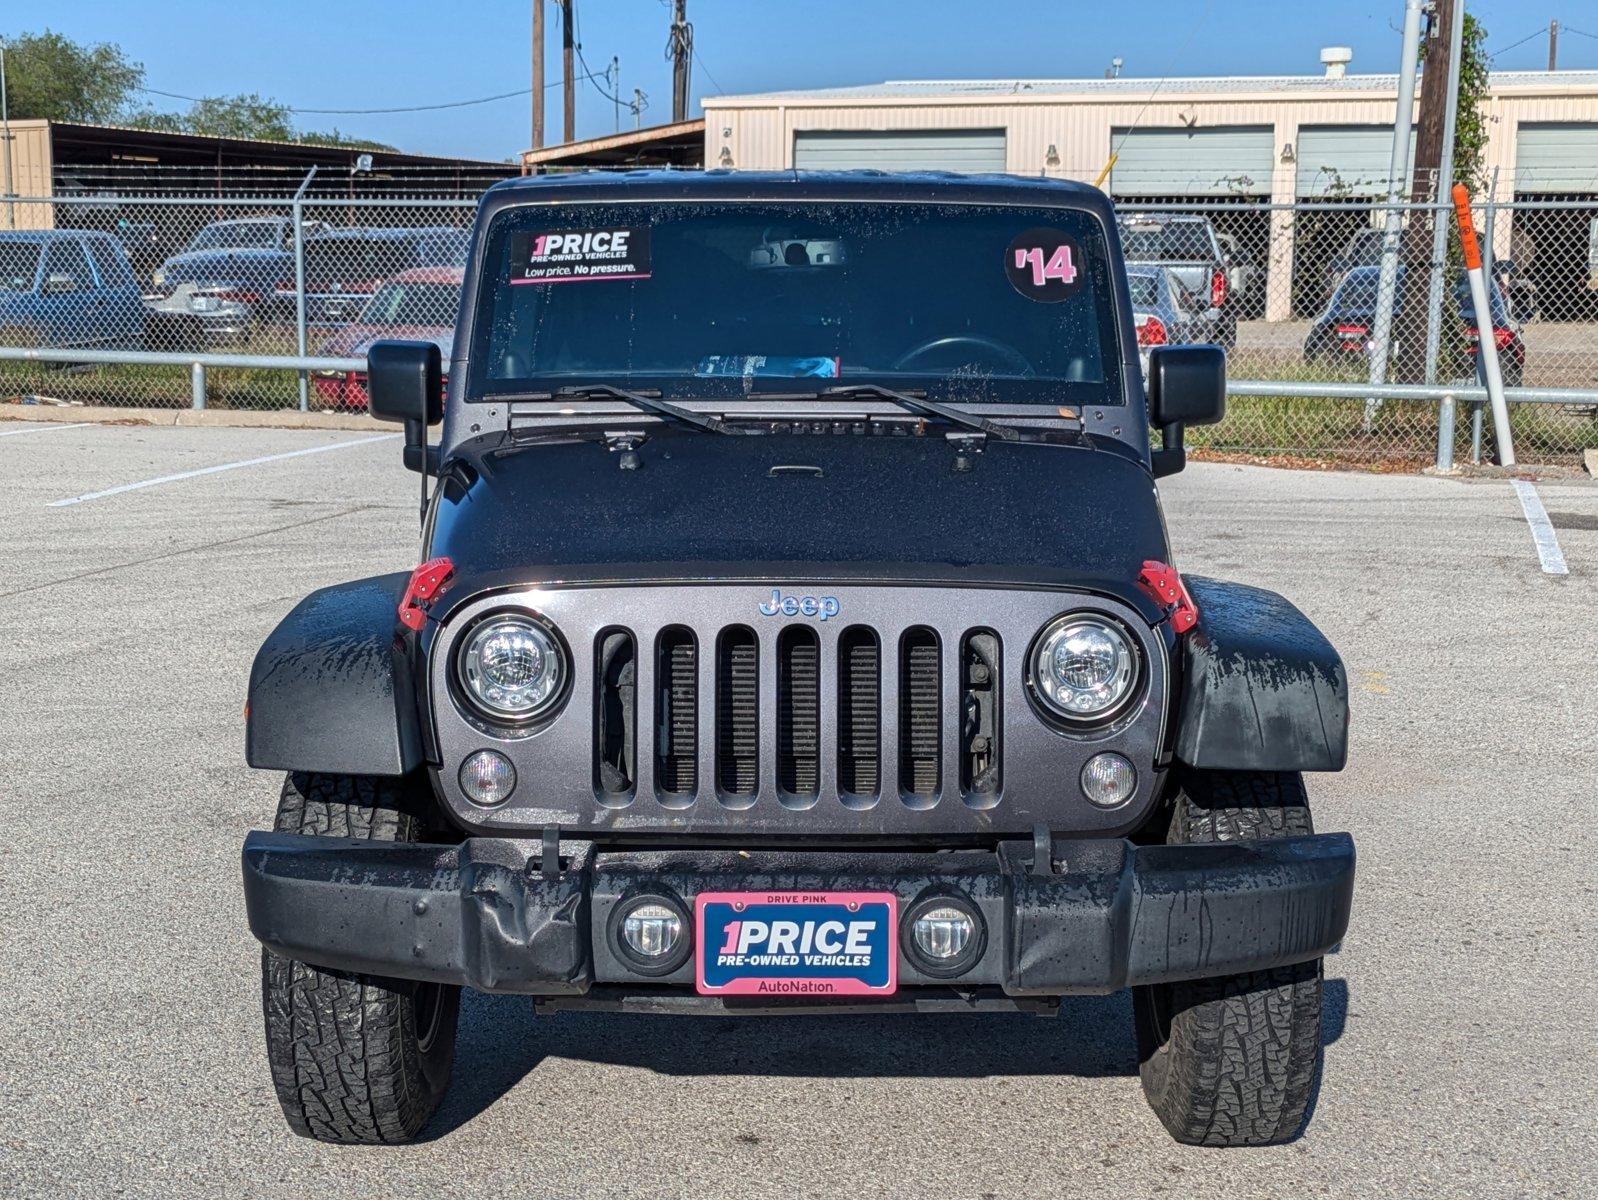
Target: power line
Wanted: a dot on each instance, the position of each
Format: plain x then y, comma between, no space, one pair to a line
363,112
1579,32
694,50
1540,31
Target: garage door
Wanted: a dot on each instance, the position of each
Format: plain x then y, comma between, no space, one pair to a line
1345,160
964,150
1193,162
1557,158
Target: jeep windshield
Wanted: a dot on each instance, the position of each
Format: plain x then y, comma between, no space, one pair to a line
966,303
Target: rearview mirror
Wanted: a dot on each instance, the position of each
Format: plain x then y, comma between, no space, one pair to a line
1187,386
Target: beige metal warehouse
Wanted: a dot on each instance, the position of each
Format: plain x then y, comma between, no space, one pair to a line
1269,138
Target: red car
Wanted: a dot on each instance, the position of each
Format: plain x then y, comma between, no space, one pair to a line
415,305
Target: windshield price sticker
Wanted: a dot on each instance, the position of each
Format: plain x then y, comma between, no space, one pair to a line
1044,265
567,255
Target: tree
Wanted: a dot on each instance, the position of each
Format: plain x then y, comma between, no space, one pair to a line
51,77
243,116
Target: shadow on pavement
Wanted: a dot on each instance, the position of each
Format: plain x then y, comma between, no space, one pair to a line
502,1040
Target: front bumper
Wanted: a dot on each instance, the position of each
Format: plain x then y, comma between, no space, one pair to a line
501,915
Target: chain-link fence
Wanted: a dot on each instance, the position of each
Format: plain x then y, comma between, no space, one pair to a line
1329,309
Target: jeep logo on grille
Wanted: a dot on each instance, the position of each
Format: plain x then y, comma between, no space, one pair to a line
825,607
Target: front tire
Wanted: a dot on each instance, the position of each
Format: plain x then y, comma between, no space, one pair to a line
1233,1060
355,1060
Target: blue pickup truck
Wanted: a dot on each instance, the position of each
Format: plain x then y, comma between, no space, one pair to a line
68,287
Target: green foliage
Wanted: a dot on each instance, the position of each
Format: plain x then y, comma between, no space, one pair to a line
1470,129
49,76
53,78
243,116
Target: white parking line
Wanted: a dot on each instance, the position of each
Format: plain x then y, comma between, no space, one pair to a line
46,428
1542,530
232,466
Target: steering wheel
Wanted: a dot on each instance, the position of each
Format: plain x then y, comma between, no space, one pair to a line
1003,351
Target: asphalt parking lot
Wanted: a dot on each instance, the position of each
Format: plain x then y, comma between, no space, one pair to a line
1460,1057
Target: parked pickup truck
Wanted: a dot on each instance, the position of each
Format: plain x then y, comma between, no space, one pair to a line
795,631
1187,247
68,287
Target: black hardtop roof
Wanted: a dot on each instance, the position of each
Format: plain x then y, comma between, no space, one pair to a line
922,186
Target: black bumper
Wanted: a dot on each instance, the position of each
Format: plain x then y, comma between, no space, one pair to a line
492,914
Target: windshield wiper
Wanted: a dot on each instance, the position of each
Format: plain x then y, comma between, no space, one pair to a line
928,408
650,402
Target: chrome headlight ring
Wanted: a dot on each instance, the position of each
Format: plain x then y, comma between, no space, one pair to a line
1084,668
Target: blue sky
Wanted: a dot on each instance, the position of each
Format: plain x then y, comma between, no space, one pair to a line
385,53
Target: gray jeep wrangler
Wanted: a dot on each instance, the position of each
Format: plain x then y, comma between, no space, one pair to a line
795,629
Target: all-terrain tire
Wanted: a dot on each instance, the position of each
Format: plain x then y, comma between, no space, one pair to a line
1233,1061
355,1060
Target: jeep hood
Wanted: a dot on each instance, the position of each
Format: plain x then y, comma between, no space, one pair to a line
828,506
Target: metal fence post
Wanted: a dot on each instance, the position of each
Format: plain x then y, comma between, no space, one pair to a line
197,385
298,217
1445,188
1397,189
1446,414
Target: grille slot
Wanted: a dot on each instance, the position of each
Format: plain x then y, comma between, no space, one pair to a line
920,715
799,712
615,714
859,719
677,713
738,712
981,731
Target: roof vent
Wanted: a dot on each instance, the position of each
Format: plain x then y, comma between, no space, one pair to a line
1336,59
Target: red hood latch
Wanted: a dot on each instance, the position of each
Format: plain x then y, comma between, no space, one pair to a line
1170,593
427,581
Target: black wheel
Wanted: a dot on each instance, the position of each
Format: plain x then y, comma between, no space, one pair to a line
355,1060
1232,1061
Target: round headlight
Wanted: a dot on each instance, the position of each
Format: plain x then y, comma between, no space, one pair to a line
512,668
1084,667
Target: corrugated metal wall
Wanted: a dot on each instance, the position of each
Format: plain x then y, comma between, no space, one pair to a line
1193,162
1556,158
1345,160
969,150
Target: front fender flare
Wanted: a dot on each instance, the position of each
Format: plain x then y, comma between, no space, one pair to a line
331,689
1262,688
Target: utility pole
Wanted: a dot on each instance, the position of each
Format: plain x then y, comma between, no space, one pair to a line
615,87
538,74
1403,125
1553,45
638,108
680,47
1439,82
567,75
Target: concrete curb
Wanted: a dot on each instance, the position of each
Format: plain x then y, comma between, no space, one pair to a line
212,418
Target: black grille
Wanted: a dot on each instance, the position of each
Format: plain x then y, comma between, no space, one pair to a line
799,712
859,696
677,713
738,713
920,735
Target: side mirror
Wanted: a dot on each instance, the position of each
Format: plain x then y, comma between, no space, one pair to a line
1187,386
405,383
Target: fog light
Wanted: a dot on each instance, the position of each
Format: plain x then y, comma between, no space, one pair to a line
651,933
487,778
943,933
1108,780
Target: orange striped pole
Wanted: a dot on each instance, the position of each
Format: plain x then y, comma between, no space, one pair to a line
1486,337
